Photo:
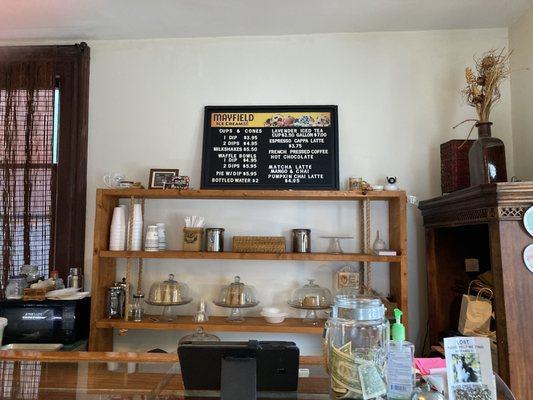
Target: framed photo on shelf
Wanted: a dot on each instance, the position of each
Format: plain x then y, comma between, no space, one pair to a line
177,182
159,176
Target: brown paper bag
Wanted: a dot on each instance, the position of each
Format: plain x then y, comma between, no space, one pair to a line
476,312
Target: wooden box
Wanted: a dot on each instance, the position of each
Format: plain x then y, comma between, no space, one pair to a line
454,168
259,244
36,294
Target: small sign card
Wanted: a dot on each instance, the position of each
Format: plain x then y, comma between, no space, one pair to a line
469,368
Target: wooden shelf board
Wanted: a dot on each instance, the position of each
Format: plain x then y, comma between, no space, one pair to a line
203,255
97,357
253,194
215,324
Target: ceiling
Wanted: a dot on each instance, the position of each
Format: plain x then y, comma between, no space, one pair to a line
139,19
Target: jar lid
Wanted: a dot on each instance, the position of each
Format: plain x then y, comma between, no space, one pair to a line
200,335
116,286
138,295
171,280
236,282
358,308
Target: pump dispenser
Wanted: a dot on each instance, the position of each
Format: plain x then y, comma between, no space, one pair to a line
397,329
400,370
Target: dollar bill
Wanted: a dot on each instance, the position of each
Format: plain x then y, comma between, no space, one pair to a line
354,377
345,348
345,352
344,372
371,381
342,393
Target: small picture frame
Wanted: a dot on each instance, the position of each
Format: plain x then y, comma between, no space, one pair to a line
177,182
159,176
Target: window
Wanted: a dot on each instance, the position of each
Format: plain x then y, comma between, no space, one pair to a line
43,153
27,176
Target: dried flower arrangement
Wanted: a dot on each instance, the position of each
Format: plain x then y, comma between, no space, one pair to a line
482,89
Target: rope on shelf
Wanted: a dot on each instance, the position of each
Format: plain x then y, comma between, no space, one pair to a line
365,243
140,260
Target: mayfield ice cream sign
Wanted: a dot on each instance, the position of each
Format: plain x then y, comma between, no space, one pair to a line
270,147
277,120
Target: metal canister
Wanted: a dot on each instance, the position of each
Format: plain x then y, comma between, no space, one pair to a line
115,301
301,240
75,278
214,239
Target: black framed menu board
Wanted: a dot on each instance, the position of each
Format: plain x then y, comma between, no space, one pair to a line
270,147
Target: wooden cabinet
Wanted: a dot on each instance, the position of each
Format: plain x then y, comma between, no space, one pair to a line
104,261
484,222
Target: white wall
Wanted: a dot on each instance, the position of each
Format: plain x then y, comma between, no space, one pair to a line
521,41
398,96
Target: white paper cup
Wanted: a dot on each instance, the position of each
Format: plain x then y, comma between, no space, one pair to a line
118,215
112,365
132,367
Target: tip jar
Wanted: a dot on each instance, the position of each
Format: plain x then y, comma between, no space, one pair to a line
356,345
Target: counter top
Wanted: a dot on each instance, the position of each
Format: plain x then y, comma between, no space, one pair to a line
69,375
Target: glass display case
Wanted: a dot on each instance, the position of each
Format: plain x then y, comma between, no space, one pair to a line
237,295
167,294
311,297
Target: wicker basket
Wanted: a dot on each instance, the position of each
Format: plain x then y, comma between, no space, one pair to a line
259,244
454,169
36,294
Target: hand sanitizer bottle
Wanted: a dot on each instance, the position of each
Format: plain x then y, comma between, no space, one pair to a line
400,371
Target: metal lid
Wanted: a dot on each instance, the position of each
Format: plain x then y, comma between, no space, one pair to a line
214,229
138,295
358,308
17,277
74,271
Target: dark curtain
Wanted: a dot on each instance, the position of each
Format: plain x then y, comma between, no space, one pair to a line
27,172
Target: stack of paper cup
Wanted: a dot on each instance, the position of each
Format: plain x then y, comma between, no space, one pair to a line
117,232
125,208
151,242
136,228
161,236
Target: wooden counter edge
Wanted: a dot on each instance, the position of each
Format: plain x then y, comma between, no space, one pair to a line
90,356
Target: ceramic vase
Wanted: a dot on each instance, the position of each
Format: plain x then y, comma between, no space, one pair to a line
486,157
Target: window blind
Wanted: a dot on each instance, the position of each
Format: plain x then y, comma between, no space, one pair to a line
27,169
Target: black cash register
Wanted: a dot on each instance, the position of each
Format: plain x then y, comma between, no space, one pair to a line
239,369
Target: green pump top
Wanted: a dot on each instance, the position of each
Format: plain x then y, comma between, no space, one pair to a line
397,329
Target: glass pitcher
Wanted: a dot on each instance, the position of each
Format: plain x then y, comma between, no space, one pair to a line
355,348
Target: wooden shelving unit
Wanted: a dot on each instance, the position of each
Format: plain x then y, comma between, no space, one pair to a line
249,256
104,261
484,222
218,324
253,194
